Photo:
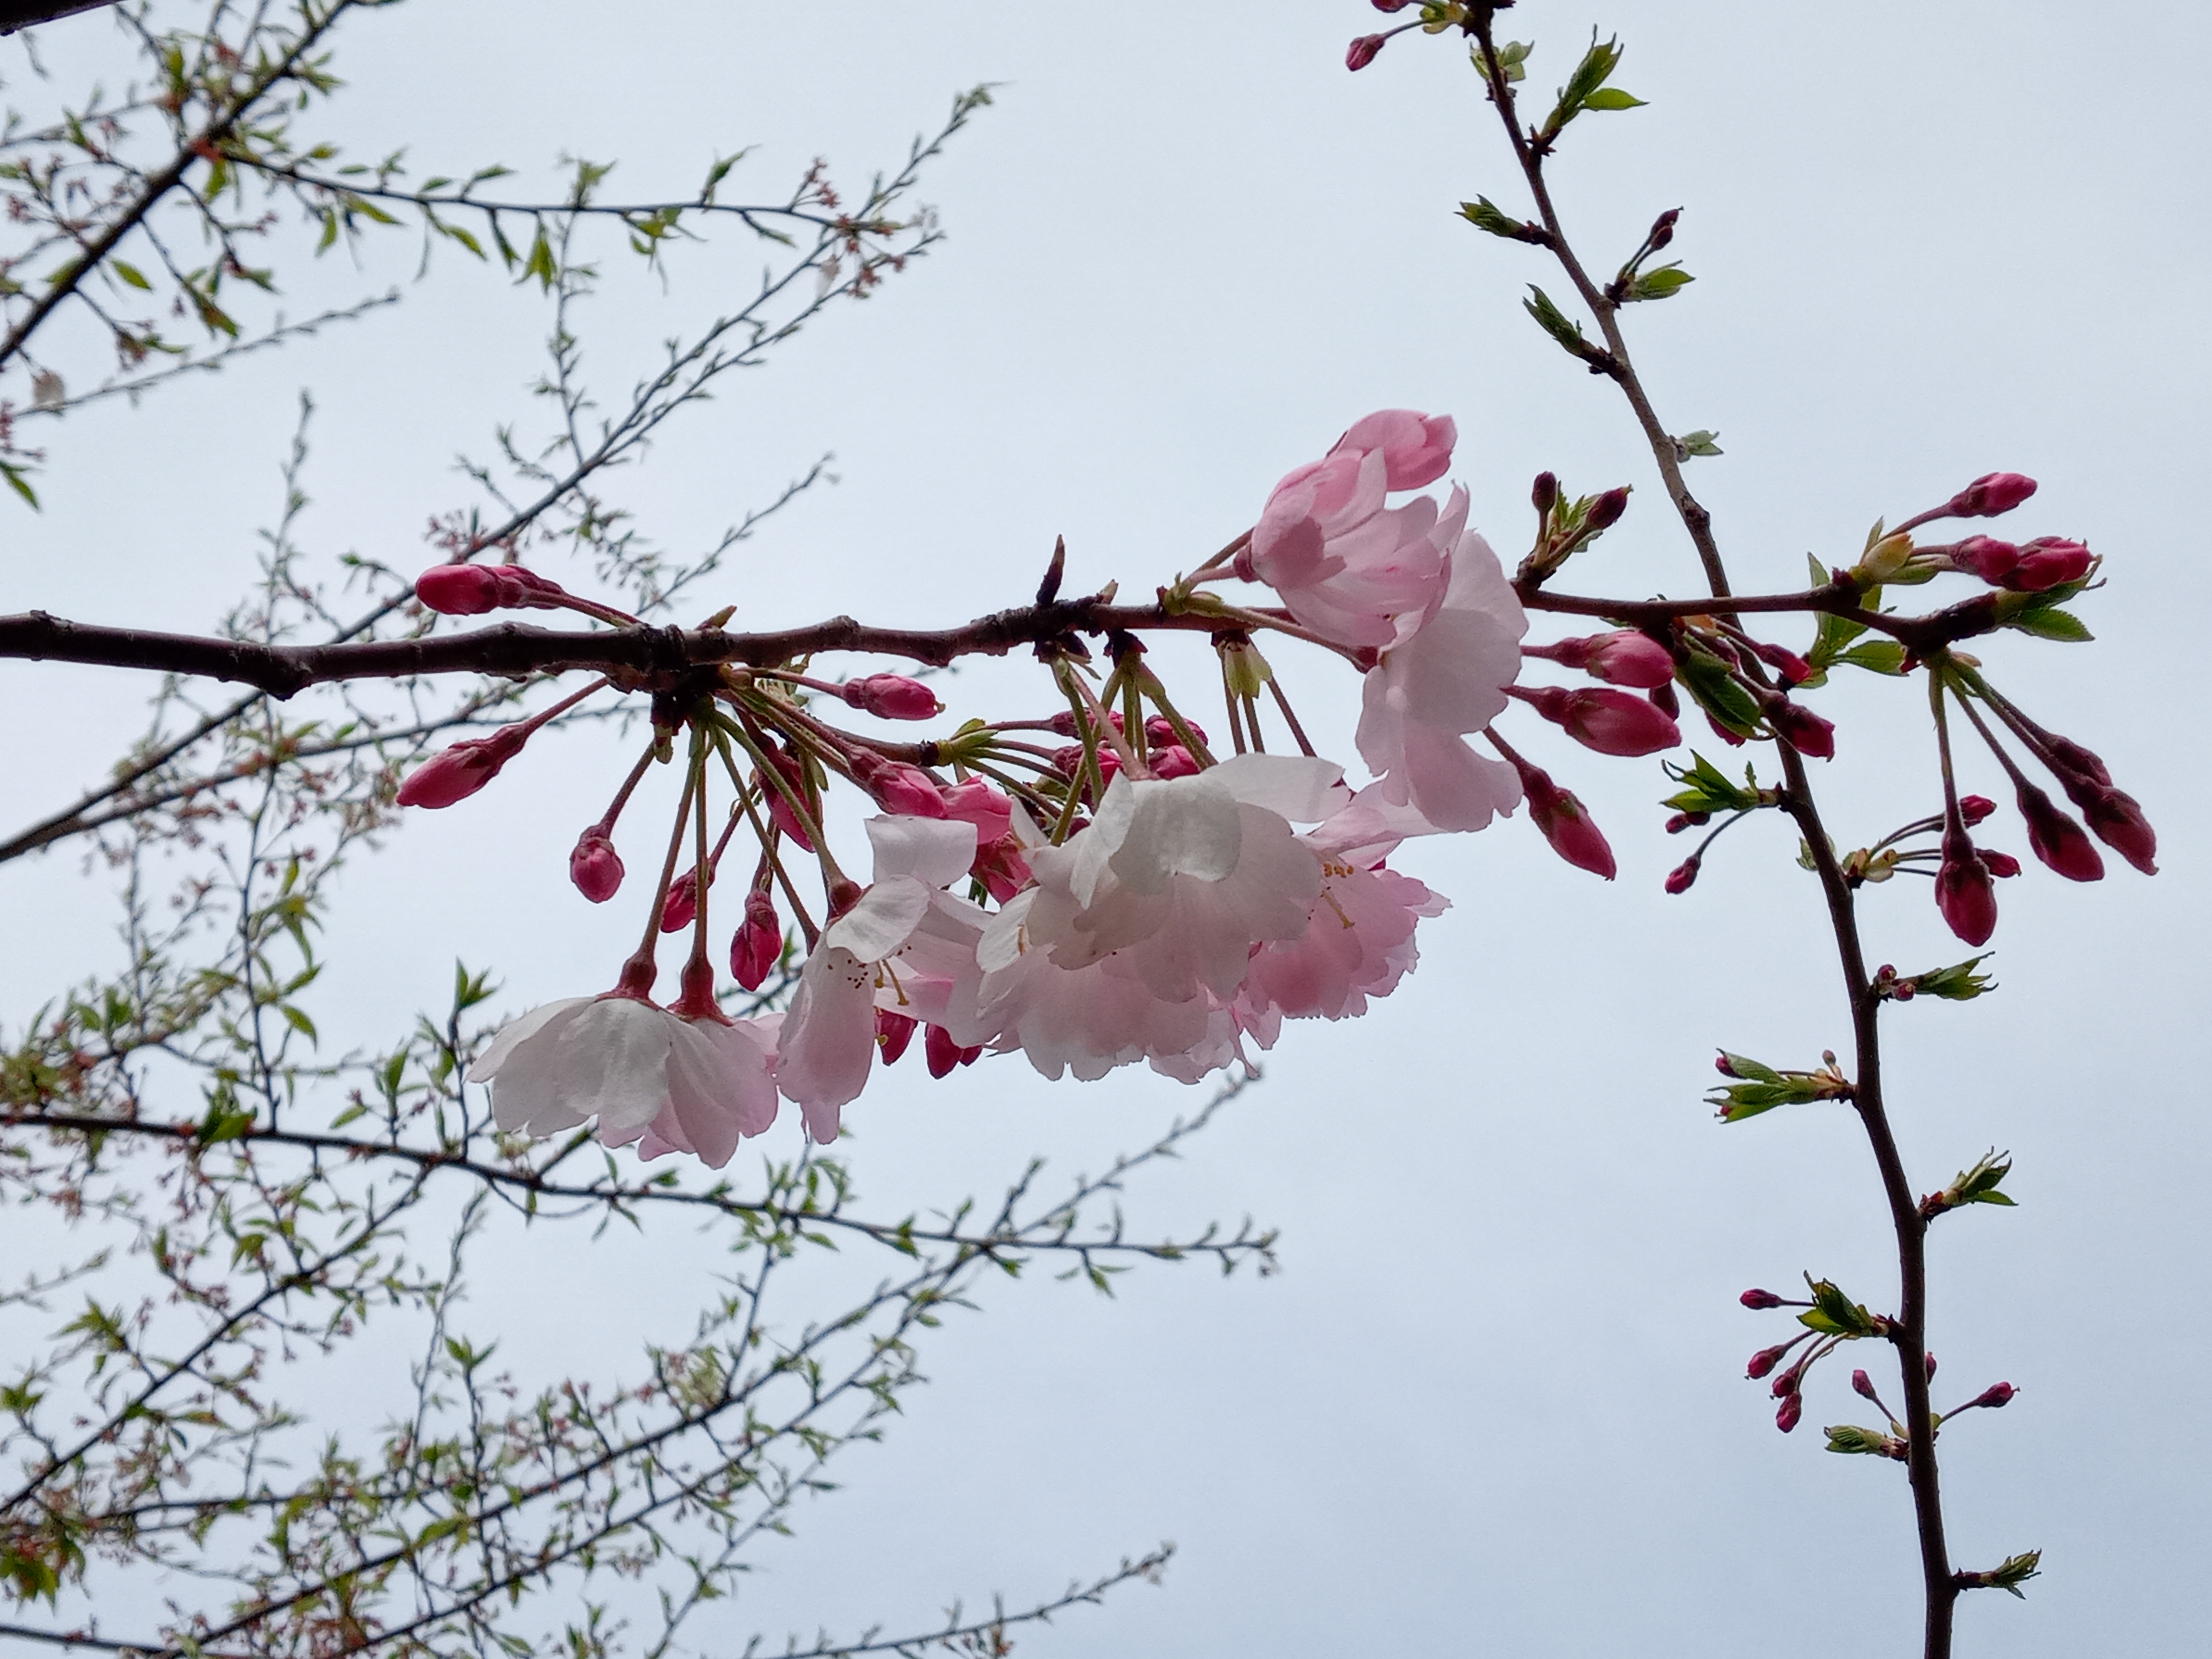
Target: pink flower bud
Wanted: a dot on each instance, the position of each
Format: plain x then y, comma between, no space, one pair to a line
2071,757
972,800
1995,1395
1766,1358
1390,5
1793,668
1625,657
469,590
594,866
893,1032
1064,721
1068,762
1975,808
780,810
1605,512
1989,495
1682,875
681,907
2048,561
1002,868
1985,556
2003,866
1174,761
893,697
944,1054
1611,722
1929,1360
758,944
1544,493
2056,839
1417,449
1786,1415
1803,730
1789,1383
1760,1301
455,773
897,787
2119,822
1361,53
1963,893
1161,730
1565,823
1863,1385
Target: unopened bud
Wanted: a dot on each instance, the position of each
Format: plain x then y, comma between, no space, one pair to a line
1725,1066
1390,5
1995,1395
1766,1358
594,866
1545,492
681,907
1611,722
1930,1361
2056,839
894,1030
1625,657
1760,1301
1991,494
1606,509
1161,730
781,810
455,773
2119,822
1963,893
1683,874
1663,228
972,800
893,697
758,944
1985,556
944,1054
1975,808
2049,561
1565,823
1664,700
1361,53
1786,1415
896,786
469,590
1863,1385
1173,761
1801,729
2003,866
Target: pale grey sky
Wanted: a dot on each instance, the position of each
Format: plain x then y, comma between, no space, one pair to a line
1493,1403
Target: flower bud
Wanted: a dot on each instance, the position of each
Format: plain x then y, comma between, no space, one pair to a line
2056,839
1863,1385
944,1054
1611,722
1416,448
1989,495
893,697
1760,1301
455,773
758,944
1930,1361
896,786
2119,822
469,590
1963,892
1975,808
1064,721
681,907
1565,823
1361,53
2003,866
781,811
1679,878
1995,1395
1664,700
2070,757
1801,729
1605,512
594,865
1390,5
1545,492
1663,229
894,1030
1726,1067
1627,657
1161,730
2048,561
1174,761
1002,868
1786,1415
1767,1358
972,800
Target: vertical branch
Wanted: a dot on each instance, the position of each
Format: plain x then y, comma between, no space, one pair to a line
1908,1333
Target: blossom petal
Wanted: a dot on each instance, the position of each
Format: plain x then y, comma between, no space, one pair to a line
935,852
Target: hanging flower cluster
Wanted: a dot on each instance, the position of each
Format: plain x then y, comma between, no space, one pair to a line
1097,884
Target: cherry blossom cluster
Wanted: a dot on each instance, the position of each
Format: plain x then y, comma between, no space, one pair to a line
1094,885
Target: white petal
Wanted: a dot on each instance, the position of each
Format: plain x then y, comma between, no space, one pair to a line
611,1062
934,851
1181,827
828,1038
517,1031
880,922
1304,788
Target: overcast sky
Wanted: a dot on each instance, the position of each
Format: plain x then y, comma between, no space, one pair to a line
1494,1401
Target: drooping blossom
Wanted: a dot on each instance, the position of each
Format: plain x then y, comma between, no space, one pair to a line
828,1039
1345,565
1445,678
695,1085
1358,945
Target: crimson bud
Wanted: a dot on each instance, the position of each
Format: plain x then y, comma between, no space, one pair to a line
1801,729
1786,1415
455,773
1679,878
1612,722
1760,1301
1565,823
2056,839
1989,495
758,944
1361,53
594,865
894,1031
943,1053
893,697
1963,891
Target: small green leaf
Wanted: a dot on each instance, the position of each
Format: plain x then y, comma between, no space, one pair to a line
1700,442
2049,622
130,274
1611,98
1876,656
1659,283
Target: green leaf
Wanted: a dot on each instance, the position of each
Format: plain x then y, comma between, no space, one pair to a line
1484,215
1720,694
130,274
1876,656
1700,442
1658,284
298,1020
1611,98
2049,622
18,482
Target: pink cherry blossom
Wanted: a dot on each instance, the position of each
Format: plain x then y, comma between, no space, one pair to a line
828,1038
1348,567
1446,678
634,1067
1359,943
